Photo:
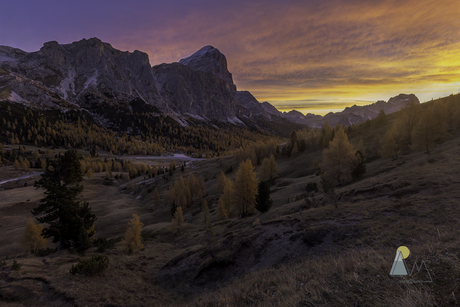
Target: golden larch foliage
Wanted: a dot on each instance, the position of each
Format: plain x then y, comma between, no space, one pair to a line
205,212
225,201
245,188
178,221
16,164
339,158
32,238
133,234
269,169
221,183
389,146
428,130
156,199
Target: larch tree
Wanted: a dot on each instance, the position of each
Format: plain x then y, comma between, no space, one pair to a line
245,189
225,201
221,183
389,146
156,199
33,239
426,132
295,150
269,169
360,146
178,221
339,159
327,134
132,239
205,212
407,119
381,118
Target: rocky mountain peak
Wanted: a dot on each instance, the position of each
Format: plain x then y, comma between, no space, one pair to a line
211,60
403,99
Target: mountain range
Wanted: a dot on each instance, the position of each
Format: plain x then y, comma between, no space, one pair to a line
93,76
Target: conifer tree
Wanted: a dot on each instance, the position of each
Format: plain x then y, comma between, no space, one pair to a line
16,164
407,119
245,189
295,150
225,201
293,140
178,221
33,239
326,136
381,118
65,215
25,165
205,212
268,169
156,199
263,200
133,234
328,184
426,132
339,159
43,165
389,146
221,183
210,238
360,147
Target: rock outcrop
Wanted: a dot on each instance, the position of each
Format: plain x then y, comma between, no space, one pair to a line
78,72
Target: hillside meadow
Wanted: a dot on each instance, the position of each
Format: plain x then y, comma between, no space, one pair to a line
302,252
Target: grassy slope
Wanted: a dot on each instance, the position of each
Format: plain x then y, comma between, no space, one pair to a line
309,257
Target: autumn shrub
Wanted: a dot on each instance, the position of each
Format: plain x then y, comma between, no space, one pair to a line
90,267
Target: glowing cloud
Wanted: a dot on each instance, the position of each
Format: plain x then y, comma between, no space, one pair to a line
331,52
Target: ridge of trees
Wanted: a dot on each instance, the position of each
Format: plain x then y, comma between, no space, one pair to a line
128,133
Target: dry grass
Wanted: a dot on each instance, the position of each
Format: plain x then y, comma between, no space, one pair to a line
316,256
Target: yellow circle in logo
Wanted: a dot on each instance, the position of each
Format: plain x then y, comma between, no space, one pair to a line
404,251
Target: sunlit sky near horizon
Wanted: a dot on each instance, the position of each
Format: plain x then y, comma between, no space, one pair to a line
311,55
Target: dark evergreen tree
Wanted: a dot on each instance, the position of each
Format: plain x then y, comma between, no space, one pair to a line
360,168
328,184
263,200
173,207
70,221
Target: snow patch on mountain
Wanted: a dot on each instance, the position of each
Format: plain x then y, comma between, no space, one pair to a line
235,120
197,55
16,98
91,81
68,84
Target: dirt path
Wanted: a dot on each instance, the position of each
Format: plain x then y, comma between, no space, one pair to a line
18,178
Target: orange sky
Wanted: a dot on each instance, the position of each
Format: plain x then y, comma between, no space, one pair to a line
310,55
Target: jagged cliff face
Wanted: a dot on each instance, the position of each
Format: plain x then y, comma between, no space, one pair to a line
83,72
93,75
196,93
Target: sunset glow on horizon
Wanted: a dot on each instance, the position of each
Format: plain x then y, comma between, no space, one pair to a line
313,56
